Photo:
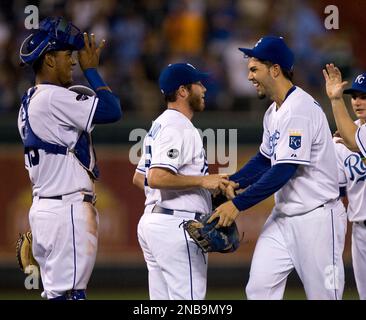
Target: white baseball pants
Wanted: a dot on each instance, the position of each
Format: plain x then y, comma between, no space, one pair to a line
311,243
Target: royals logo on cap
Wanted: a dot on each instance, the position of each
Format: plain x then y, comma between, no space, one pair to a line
358,85
273,49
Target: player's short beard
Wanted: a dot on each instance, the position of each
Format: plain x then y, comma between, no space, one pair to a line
195,102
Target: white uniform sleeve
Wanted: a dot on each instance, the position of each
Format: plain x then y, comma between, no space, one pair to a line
70,111
294,141
141,165
361,139
265,148
342,178
167,149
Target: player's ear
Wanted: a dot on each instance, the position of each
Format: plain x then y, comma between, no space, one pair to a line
49,59
182,91
275,70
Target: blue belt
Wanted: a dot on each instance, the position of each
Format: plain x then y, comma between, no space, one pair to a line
87,198
158,209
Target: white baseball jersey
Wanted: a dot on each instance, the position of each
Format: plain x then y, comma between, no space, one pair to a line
307,226
175,144
177,268
298,132
360,137
64,225
56,116
352,175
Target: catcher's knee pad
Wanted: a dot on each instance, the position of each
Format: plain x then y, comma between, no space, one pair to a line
72,295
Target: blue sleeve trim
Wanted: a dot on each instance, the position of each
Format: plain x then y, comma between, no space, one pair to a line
270,182
91,112
164,165
94,79
252,171
140,170
293,160
265,153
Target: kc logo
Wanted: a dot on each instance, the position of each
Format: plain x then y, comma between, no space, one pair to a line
360,79
295,140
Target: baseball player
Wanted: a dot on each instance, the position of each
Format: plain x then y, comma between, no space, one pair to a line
55,125
296,161
352,172
354,136
174,174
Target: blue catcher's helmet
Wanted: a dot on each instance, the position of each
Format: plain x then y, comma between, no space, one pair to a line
54,34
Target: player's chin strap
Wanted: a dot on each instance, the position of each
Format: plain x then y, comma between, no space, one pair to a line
72,295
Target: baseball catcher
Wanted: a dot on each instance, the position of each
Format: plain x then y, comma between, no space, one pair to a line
212,239
24,251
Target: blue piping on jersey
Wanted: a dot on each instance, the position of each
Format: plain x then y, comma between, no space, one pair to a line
190,263
73,243
333,252
292,89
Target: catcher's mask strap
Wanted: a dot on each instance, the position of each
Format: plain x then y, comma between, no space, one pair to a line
178,213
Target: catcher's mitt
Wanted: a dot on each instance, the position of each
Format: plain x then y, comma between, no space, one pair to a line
24,251
210,239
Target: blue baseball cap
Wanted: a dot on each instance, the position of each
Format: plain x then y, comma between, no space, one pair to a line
358,85
273,49
178,74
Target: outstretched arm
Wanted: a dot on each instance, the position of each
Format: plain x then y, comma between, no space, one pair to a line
270,182
334,87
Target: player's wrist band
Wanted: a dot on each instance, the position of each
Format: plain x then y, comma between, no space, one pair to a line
94,79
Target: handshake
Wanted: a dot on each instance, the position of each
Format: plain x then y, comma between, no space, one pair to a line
220,184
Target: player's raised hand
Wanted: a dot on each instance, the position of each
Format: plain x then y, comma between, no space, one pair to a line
333,81
227,214
89,55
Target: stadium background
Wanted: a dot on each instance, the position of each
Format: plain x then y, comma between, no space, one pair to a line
142,37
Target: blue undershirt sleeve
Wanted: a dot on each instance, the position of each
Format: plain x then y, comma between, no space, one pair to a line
252,171
108,109
270,182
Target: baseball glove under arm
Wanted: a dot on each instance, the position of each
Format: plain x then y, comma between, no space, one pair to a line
210,239
24,251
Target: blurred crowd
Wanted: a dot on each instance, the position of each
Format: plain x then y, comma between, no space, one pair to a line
143,36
